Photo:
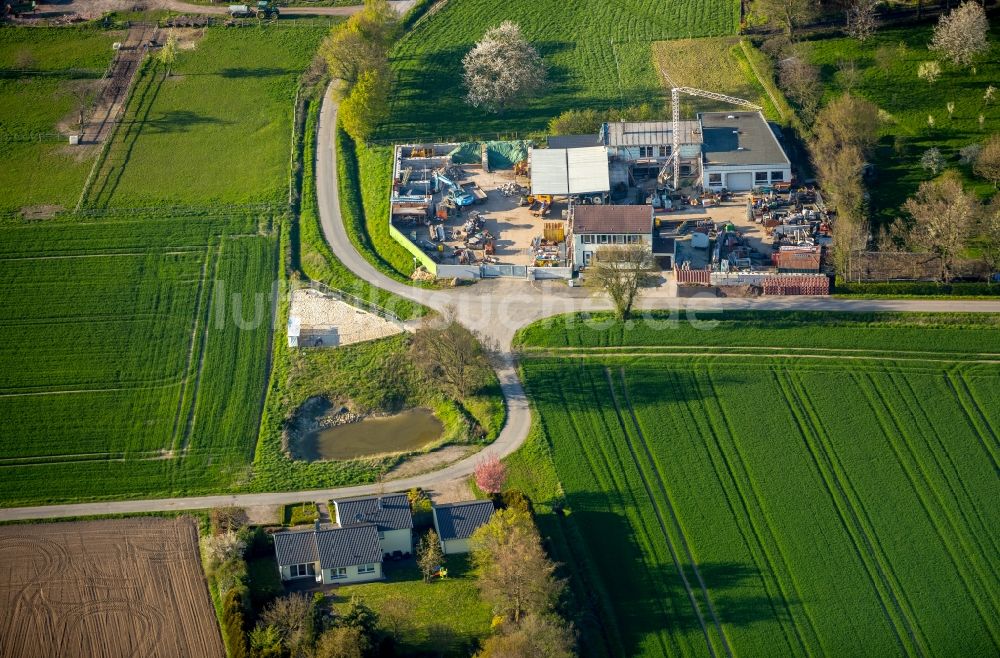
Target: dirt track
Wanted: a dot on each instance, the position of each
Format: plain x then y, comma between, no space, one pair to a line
123,587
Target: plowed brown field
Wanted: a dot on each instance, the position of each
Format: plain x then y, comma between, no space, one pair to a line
123,587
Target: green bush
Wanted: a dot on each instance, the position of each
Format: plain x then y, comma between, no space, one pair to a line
233,625
917,288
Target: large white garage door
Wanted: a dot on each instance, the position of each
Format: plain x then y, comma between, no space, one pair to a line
739,182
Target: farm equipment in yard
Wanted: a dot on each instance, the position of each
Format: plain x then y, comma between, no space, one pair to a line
456,194
540,204
263,9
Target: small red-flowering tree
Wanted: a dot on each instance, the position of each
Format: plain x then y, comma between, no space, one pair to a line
491,474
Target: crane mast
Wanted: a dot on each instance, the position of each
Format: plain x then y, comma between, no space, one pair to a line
675,103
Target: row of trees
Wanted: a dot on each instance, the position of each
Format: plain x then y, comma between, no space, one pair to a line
357,57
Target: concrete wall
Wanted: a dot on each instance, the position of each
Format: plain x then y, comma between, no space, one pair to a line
540,273
457,271
396,540
416,251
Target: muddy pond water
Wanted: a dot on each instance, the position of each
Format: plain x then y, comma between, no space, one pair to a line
409,430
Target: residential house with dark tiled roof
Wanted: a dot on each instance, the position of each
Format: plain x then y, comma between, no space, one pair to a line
330,555
390,513
455,523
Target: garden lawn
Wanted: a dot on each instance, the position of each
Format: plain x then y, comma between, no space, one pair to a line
443,617
38,69
218,128
598,54
133,355
909,101
770,505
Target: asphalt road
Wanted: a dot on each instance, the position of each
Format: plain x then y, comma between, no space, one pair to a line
496,309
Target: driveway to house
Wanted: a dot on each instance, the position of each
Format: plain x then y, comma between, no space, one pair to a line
495,309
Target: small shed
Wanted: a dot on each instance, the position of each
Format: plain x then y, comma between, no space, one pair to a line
294,330
455,523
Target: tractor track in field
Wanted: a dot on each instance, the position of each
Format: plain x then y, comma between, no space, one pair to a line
670,506
200,314
695,606
128,254
726,349
954,483
737,354
619,489
974,416
865,541
892,428
753,499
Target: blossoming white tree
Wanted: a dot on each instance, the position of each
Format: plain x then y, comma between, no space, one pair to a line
502,69
962,34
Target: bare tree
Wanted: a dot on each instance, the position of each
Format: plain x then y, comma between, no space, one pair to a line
429,555
82,94
850,237
290,616
862,18
502,69
451,356
962,34
789,15
621,271
943,217
514,573
802,83
968,155
341,642
988,163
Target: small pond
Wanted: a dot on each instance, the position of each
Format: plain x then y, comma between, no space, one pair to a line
409,430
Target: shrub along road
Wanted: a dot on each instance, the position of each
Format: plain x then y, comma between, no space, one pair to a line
496,310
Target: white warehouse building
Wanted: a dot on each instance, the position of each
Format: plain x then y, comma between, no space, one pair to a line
741,152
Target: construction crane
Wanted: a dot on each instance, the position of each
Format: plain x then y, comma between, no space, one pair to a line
675,103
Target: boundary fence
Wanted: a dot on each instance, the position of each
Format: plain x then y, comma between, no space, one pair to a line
355,301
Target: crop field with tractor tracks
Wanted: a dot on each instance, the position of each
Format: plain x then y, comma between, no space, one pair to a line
759,493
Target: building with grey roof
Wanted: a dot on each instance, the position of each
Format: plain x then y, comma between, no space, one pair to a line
455,523
390,513
330,555
740,151
596,226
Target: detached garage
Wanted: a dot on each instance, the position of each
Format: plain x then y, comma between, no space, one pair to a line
741,152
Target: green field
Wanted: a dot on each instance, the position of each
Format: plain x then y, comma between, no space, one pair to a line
38,69
133,355
896,89
827,497
598,54
217,129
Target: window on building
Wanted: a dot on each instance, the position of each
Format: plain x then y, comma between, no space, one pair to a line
619,239
588,239
777,175
302,570
338,572
645,151
760,177
664,151
366,568
715,179
604,239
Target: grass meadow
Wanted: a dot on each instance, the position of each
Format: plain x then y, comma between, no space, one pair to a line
824,501
132,354
217,129
38,69
598,54
887,66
